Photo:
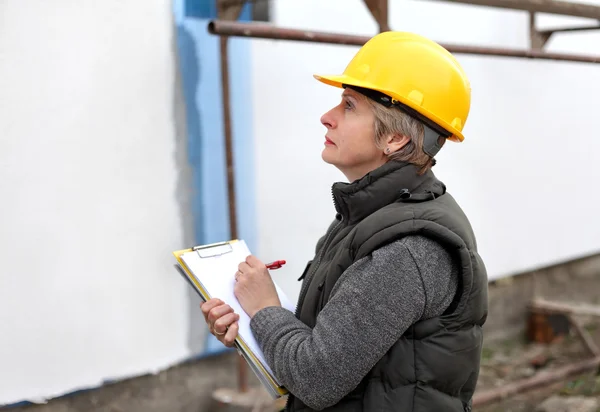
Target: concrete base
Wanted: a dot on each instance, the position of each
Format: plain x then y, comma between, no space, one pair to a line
185,388
191,387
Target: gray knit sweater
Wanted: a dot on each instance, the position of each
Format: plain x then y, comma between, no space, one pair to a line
411,279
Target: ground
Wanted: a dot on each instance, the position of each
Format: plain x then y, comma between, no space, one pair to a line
189,388
513,359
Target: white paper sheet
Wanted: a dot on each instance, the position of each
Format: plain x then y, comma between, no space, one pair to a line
217,275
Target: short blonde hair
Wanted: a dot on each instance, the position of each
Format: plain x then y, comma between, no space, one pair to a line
389,121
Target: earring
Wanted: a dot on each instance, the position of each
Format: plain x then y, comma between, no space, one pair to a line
387,150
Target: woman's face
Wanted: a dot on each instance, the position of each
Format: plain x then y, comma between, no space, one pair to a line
350,138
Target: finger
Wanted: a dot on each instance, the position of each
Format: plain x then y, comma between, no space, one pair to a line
211,303
254,262
244,267
216,313
207,306
231,334
224,322
237,275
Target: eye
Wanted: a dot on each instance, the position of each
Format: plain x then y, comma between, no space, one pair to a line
349,105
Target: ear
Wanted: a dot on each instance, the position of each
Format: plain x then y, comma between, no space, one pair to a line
395,142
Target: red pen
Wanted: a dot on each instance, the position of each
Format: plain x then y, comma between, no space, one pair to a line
275,265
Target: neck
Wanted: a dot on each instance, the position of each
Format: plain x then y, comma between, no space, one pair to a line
358,172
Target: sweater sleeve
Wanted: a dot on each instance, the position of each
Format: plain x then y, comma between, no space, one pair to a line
373,303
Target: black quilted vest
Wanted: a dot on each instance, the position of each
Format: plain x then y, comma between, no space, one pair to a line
434,366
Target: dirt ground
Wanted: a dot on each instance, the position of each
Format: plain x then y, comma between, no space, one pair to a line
188,388
515,359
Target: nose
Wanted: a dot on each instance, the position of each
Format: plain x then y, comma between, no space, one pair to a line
328,120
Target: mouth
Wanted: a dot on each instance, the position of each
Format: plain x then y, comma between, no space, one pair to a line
328,142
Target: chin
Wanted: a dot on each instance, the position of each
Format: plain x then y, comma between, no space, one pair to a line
326,157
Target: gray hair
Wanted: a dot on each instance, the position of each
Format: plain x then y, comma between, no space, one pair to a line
389,121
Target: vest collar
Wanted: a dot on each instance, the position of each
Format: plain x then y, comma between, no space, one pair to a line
394,181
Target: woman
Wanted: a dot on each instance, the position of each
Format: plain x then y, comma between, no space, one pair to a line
391,309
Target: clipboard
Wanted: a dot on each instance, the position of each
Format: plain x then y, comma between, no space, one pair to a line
222,258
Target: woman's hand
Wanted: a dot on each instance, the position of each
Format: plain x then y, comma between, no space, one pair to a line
221,320
254,287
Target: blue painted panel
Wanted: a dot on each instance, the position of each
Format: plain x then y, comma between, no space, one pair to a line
207,9
204,9
199,56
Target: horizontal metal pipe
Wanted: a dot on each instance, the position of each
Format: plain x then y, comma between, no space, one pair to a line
266,31
564,8
568,29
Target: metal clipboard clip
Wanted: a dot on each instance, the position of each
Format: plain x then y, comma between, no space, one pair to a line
213,250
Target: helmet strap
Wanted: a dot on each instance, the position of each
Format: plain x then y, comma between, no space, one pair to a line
432,141
435,136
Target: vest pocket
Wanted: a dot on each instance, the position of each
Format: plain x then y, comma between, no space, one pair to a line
321,300
306,269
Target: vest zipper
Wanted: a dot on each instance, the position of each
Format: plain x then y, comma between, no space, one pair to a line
315,266
307,280
311,273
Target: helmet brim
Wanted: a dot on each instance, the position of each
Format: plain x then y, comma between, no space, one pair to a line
340,80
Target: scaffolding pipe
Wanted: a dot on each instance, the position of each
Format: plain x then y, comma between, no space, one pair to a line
538,6
265,31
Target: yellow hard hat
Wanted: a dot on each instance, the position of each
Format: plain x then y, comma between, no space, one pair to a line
417,74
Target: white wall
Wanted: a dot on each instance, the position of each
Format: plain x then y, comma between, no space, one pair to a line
88,183
525,174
